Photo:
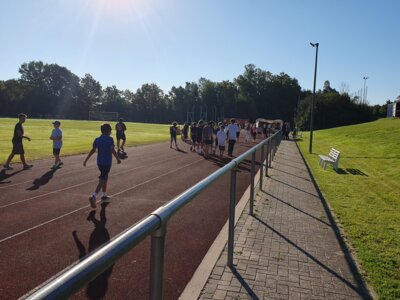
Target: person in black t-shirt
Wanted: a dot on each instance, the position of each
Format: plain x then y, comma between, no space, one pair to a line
18,147
120,132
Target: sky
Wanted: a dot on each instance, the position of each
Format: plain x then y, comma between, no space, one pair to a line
127,43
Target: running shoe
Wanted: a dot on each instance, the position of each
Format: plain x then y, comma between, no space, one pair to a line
55,166
105,198
27,167
60,163
7,167
92,201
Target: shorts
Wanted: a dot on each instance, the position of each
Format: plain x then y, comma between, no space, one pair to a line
222,148
121,136
56,151
198,139
18,148
237,134
208,142
104,170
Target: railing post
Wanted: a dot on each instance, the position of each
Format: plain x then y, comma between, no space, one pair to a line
267,160
252,174
261,166
231,234
157,263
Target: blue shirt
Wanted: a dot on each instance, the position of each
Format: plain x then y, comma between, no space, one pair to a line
104,145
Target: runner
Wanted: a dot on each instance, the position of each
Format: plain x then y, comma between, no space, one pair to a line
173,131
120,129
18,147
193,136
207,138
232,136
105,147
56,136
221,139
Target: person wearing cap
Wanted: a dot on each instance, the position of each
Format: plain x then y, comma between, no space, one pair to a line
18,147
56,137
120,129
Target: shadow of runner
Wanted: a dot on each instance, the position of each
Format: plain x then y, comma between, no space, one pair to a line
4,175
244,283
43,180
97,288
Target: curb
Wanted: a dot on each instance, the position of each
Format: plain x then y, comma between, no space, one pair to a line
199,279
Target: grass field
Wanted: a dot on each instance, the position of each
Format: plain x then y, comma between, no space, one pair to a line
78,136
365,194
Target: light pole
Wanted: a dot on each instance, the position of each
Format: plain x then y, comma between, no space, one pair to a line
365,93
313,97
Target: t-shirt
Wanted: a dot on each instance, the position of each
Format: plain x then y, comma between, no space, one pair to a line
221,136
16,137
173,130
104,145
57,144
120,128
207,133
232,129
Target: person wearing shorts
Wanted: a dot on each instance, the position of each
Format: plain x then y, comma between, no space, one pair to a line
199,136
18,147
120,129
173,131
56,137
193,136
221,139
207,138
105,147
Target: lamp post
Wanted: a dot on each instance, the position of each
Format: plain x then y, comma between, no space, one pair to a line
365,92
313,97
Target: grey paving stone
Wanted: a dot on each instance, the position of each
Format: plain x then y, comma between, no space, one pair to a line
290,250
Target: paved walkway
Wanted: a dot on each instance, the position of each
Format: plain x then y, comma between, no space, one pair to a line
289,250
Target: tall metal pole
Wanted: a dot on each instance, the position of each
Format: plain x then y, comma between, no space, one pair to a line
365,92
313,97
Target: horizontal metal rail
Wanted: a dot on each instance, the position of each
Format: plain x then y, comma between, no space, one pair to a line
75,277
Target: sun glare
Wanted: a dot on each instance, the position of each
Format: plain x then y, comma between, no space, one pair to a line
119,8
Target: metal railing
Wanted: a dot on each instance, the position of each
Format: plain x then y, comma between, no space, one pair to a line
77,276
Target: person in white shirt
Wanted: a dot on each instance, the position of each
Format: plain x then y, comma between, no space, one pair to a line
231,131
221,139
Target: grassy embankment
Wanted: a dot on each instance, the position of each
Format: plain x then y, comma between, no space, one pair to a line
365,194
78,136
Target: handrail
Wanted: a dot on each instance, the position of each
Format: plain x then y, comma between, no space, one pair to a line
72,279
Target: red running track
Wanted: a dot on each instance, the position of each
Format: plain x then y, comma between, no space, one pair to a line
46,223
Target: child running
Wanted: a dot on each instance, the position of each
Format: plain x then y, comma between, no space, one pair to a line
56,137
105,147
173,131
120,129
18,147
221,138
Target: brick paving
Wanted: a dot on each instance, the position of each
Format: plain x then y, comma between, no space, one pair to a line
289,250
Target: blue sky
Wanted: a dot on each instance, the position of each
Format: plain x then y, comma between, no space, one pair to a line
168,42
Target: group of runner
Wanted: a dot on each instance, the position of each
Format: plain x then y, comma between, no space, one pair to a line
207,137
104,145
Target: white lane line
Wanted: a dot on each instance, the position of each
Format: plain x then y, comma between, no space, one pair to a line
66,165
82,183
86,206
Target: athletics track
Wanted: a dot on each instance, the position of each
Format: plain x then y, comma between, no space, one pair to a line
41,209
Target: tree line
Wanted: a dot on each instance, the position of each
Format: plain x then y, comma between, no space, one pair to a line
52,91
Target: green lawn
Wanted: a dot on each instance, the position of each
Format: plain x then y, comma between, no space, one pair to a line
365,194
78,136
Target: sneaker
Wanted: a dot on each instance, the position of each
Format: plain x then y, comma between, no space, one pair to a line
92,201
27,167
105,198
7,167
60,163
55,166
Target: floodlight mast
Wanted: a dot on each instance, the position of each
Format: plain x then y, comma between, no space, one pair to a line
313,98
